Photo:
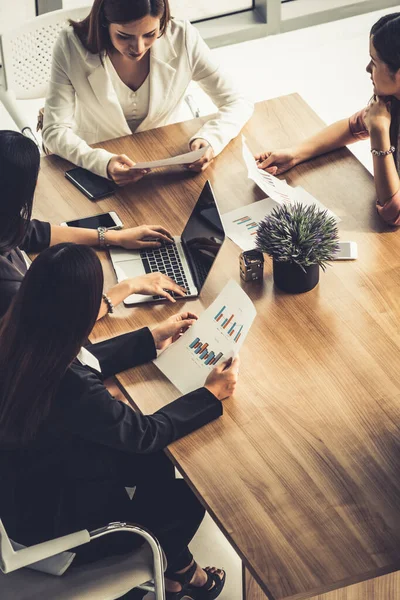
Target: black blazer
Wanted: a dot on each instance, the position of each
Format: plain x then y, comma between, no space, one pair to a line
65,480
13,266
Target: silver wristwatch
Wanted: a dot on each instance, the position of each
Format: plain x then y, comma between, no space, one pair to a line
101,231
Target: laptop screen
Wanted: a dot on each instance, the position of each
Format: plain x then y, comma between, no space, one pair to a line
203,236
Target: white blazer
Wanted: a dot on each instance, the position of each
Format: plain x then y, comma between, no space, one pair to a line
82,107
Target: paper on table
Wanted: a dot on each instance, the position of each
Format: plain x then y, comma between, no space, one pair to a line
181,159
217,336
299,194
242,223
274,188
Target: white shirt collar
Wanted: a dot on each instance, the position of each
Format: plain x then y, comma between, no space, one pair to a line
87,359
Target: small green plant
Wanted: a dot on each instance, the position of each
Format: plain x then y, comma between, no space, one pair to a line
300,234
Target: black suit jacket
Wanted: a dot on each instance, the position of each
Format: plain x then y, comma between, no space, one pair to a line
13,266
87,449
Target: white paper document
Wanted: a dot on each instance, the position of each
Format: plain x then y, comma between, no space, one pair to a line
242,223
216,336
277,189
274,188
300,195
181,159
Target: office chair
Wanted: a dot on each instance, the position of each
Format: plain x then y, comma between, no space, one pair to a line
25,60
105,579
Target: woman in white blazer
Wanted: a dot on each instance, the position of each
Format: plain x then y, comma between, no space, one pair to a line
125,69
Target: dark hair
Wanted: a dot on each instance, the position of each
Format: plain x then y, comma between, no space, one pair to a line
19,169
93,31
386,34
48,321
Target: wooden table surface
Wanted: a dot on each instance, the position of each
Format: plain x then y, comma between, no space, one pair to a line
302,473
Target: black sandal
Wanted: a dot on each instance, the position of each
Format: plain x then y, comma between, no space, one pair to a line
210,590
184,580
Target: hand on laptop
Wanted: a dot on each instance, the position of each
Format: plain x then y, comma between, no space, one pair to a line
137,237
171,330
223,379
156,284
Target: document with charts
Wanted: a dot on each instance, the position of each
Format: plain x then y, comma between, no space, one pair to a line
241,224
278,189
216,336
275,188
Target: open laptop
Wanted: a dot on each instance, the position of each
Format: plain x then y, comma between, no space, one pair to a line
187,261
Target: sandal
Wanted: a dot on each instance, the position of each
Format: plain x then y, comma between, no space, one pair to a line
210,590
184,580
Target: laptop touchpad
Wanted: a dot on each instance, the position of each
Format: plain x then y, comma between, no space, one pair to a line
128,268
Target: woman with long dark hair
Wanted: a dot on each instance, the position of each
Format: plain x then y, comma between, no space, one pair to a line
126,69
379,121
68,449
19,169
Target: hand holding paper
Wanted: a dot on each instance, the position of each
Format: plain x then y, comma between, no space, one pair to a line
214,338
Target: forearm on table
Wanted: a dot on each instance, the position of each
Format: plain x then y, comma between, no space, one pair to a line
387,181
335,136
117,294
78,235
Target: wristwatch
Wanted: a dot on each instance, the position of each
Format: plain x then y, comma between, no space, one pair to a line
101,231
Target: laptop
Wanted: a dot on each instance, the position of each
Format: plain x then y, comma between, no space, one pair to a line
188,260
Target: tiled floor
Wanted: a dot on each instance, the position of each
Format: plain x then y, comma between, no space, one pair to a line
326,65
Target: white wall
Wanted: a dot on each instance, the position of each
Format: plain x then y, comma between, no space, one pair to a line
10,18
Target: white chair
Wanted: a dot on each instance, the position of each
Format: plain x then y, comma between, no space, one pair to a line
105,579
25,60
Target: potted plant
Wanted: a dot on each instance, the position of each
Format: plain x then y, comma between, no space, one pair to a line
300,239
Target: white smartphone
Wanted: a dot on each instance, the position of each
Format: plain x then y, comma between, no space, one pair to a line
348,251
109,220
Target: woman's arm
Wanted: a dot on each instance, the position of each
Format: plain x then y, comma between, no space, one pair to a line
387,183
132,238
88,409
337,135
124,351
331,138
59,110
234,108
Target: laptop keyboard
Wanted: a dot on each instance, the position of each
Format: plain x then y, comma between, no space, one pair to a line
165,260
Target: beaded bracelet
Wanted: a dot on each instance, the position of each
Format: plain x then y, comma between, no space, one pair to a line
383,152
110,305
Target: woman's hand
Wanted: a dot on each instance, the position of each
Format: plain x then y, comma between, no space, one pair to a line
171,330
377,114
206,160
118,170
276,162
155,284
137,237
223,379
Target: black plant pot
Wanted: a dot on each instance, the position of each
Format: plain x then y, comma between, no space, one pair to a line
289,277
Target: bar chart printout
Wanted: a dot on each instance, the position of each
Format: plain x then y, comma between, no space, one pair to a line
251,225
214,338
229,324
204,353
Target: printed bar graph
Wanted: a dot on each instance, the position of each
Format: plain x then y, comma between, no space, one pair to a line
203,353
237,336
228,324
251,225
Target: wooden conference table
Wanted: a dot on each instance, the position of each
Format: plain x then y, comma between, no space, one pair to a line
302,473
